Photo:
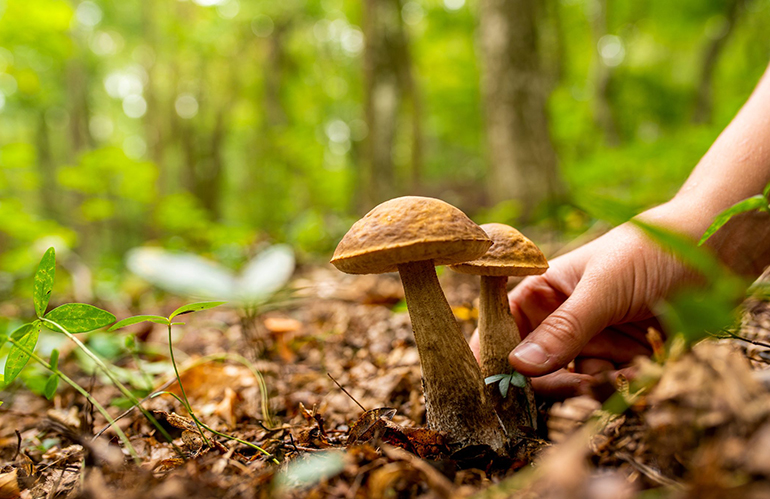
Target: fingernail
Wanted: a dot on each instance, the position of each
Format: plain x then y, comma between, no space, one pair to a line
531,353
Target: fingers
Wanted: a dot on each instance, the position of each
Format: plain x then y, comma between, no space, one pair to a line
562,384
593,366
618,344
563,334
533,301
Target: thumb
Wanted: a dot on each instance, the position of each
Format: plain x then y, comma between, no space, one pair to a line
564,333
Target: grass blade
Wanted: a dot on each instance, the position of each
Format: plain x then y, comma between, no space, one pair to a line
757,202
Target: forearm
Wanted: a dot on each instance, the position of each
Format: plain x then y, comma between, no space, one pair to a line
737,166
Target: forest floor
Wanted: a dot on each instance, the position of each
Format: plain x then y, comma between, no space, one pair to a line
701,428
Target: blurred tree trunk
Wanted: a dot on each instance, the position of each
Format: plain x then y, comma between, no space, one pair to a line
704,98
77,87
47,171
412,92
274,76
523,162
604,114
388,80
552,35
153,118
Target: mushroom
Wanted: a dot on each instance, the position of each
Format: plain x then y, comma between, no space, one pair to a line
412,235
511,254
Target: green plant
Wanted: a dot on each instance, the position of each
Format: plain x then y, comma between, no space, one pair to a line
760,202
68,319
24,340
169,322
506,380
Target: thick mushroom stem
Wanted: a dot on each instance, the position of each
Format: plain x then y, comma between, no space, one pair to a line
455,398
498,335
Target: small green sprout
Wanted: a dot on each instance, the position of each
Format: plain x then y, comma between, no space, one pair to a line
506,380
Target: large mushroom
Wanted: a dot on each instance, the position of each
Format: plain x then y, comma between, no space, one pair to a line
511,254
412,235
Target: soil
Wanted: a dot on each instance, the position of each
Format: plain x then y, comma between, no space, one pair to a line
345,415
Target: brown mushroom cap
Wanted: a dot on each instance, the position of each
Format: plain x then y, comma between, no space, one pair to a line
409,229
511,254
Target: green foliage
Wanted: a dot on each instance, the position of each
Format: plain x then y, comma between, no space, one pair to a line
44,277
108,141
67,318
195,307
310,469
506,380
26,335
130,321
78,318
758,202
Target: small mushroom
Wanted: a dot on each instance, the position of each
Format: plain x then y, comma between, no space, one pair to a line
511,254
412,235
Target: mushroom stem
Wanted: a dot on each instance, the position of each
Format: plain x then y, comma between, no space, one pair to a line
455,397
498,335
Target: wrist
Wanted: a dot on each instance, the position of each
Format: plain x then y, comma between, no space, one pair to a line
743,243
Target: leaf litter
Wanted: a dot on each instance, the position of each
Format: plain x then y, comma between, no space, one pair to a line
702,429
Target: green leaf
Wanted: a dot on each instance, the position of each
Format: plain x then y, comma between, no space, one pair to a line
54,359
23,330
195,307
27,336
518,379
757,202
130,321
494,378
766,192
310,469
50,386
79,317
43,285
505,383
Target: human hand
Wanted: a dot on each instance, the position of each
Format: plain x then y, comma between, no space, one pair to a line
593,305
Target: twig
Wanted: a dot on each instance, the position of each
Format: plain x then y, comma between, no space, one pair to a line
132,408
291,438
651,473
18,445
736,336
122,436
346,393
224,356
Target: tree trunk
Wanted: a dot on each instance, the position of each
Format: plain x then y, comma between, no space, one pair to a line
47,170
604,115
704,99
382,19
523,163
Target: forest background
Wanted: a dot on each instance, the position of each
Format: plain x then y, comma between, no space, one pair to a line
217,126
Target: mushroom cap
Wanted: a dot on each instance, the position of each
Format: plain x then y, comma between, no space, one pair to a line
511,254
409,229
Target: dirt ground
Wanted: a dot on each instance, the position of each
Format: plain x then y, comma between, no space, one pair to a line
701,428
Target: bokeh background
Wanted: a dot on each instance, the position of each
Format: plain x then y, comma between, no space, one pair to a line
218,126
